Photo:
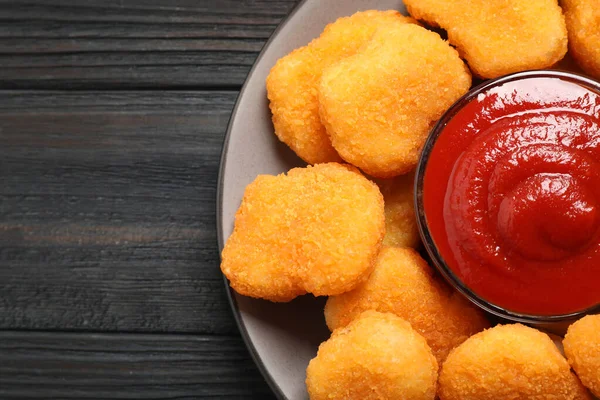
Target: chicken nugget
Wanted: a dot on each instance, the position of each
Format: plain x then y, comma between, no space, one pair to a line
401,228
583,24
292,82
378,356
499,37
582,347
509,362
379,105
317,230
402,283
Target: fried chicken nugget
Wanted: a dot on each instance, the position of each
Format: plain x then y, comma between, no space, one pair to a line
583,24
378,356
379,105
498,37
401,228
317,230
509,362
582,347
402,283
292,82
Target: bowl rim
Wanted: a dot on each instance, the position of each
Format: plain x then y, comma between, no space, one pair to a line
426,237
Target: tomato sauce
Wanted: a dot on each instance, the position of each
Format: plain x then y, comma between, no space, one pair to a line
511,195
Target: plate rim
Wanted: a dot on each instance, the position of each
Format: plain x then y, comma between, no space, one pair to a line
274,386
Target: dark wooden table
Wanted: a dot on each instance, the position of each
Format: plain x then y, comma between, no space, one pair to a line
112,118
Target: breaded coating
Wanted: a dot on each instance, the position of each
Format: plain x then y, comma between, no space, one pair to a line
499,37
402,283
379,105
401,228
292,82
317,230
583,24
509,362
377,357
582,347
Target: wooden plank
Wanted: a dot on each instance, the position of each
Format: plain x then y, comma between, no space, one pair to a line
133,44
107,211
126,366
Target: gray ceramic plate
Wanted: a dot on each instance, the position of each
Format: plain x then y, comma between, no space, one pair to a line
281,337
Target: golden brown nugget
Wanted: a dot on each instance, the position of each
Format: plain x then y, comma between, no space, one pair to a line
582,347
317,230
498,37
402,283
379,105
292,83
401,228
377,357
583,24
509,362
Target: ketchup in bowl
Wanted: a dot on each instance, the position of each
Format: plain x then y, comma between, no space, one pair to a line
508,194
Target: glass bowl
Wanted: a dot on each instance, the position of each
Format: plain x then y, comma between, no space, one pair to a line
554,323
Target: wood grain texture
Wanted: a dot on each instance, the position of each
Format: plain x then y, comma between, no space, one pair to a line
119,44
110,285
107,211
104,366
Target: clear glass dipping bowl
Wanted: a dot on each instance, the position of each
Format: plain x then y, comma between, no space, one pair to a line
553,323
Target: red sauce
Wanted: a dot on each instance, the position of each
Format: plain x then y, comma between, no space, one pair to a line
511,195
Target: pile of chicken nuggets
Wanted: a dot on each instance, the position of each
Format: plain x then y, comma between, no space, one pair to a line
357,104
